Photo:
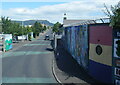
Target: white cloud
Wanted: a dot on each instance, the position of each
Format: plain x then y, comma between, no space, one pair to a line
75,10
0,8
37,0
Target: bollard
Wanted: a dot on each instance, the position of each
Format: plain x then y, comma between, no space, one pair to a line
55,42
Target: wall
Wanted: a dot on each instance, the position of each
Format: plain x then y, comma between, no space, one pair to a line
100,52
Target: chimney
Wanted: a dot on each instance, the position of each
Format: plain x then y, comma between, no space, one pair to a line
64,16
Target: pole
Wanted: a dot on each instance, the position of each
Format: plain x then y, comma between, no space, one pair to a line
22,31
55,42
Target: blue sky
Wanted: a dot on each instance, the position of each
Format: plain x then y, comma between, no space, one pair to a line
7,5
53,11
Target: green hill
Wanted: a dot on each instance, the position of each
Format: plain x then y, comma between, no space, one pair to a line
31,22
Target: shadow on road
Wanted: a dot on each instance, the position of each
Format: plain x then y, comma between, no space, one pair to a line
69,66
41,39
52,43
49,49
30,84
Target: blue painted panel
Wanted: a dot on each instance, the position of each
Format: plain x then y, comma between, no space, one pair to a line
100,72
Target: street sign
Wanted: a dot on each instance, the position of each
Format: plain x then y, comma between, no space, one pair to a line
116,56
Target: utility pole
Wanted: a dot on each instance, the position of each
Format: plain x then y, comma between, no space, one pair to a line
22,30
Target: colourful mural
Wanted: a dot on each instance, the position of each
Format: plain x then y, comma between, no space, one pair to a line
77,44
91,46
7,40
100,53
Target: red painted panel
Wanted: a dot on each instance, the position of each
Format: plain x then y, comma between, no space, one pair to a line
100,34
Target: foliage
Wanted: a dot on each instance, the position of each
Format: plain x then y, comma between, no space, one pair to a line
9,27
29,37
44,28
37,28
56,27
114,15
6,24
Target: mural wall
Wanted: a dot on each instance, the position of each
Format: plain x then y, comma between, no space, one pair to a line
7,41
91,47
77,44
100,53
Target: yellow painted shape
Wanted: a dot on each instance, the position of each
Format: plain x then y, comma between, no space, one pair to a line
104,58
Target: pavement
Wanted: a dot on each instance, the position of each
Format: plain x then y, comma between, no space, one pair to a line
66,69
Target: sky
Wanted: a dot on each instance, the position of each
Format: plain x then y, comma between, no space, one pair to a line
53,10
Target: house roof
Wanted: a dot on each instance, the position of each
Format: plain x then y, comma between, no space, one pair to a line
69,22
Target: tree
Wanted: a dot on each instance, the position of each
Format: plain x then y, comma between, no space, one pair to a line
10,27
37,27
16,29
6,24
44,28
56,27
114,15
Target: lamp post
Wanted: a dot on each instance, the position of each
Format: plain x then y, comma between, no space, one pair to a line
0,26
22,30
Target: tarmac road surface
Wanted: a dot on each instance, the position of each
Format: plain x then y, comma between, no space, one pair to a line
30,63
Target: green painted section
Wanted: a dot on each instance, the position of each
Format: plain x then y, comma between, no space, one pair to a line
34,44
22,53
27,80
8,44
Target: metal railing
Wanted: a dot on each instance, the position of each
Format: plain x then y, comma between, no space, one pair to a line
101,20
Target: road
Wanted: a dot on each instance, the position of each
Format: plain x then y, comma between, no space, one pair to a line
30,63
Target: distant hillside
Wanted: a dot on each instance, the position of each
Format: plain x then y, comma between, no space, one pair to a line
31,22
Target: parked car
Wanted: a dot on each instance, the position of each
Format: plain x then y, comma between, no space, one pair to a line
15,39
47,37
